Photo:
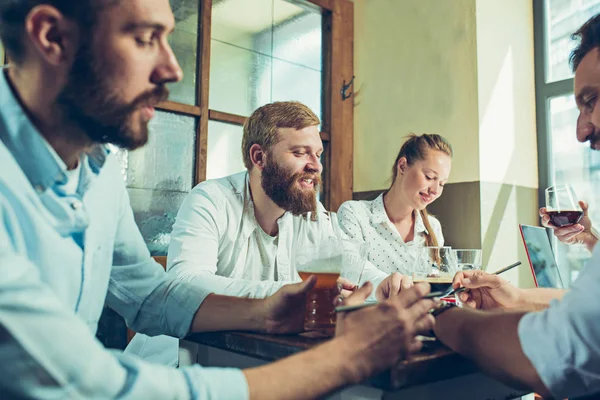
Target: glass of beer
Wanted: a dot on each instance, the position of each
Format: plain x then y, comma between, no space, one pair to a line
562,206
437,266
328,260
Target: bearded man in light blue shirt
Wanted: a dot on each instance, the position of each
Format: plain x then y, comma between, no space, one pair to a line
547,340
89,72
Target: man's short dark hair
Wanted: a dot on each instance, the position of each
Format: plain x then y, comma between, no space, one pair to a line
14,12
588,38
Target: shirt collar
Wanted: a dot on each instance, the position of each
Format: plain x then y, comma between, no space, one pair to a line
38,160
378,215
250,222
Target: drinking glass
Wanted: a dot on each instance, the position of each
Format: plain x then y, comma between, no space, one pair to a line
328,260
436,265
468,259
562,206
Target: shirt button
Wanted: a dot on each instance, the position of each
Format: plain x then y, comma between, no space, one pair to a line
76,205
39,188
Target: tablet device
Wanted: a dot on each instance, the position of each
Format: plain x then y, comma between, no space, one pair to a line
541,257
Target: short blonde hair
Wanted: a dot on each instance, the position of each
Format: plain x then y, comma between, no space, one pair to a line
261,128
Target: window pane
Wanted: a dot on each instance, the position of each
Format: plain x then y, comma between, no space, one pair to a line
264,51
240,80
297,34
293,82
575,164
224,150
563,17
243,23
1,54
184,41
159,175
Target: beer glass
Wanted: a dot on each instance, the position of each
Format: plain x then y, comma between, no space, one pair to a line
436,265
562,206
329,259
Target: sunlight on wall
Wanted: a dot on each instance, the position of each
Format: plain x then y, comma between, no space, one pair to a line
497,126
416,71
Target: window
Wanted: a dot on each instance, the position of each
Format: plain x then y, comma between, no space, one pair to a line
563,160
236,56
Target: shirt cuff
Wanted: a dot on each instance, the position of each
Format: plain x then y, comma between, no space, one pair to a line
186,297
216,383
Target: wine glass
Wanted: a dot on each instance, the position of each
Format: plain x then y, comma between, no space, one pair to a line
562,206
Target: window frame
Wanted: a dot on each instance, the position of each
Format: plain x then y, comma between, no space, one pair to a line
544,92
338,114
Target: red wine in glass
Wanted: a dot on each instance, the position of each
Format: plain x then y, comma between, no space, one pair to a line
564,218
562,206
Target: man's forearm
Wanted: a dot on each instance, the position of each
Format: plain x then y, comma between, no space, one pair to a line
490,339
223,313
537,299
307,375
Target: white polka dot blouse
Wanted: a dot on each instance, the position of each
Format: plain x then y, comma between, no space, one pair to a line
368,221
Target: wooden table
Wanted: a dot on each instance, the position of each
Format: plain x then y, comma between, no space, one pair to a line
433,372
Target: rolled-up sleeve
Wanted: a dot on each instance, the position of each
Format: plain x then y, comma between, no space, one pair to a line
194,247
46,352
563,341
150,300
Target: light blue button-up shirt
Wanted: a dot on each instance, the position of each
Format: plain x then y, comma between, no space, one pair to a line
62,254
563,341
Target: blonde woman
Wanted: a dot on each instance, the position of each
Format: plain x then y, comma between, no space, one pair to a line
397,222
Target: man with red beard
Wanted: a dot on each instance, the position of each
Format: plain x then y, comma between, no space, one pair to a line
83,74
237,234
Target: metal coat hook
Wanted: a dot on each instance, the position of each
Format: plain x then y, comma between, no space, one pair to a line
345,87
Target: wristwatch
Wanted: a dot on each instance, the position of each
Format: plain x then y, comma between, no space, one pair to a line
442,307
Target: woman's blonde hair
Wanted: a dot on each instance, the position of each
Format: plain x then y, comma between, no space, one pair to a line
415,149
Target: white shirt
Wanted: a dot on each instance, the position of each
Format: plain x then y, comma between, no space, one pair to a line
368,221
216,237
563,341
217,240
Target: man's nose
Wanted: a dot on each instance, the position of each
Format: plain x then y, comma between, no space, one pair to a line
314,165
168,69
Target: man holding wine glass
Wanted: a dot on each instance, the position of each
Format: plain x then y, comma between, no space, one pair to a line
546,340
577,232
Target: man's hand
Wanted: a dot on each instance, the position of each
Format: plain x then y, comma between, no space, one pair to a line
283,312
486,291
580,233
384,333
346,287
392,285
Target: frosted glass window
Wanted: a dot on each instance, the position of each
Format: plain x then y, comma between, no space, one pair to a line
224,150
184,42
297,34
159,175
264,51
295,82
241,23
236,86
